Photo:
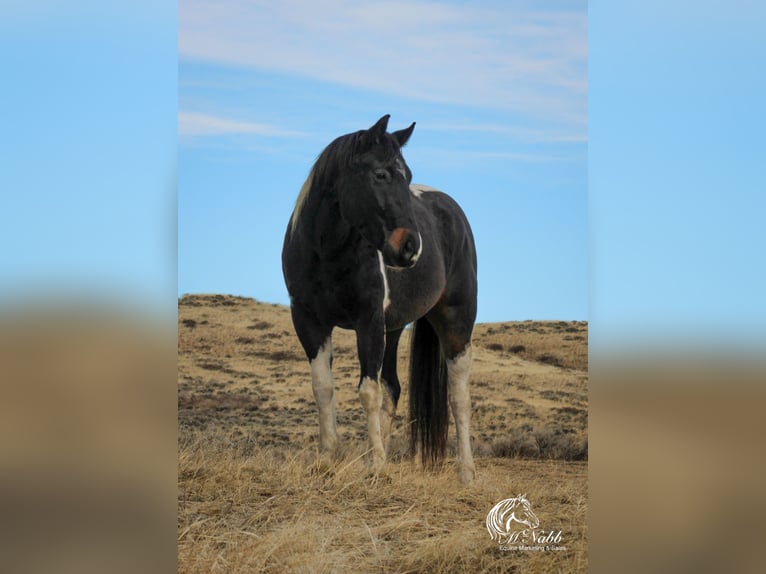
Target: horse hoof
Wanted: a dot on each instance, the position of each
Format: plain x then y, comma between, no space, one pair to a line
376,464
467,475
324,463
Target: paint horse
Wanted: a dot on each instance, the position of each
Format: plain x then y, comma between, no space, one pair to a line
367,250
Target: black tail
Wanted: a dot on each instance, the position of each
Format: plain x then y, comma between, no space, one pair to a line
429,415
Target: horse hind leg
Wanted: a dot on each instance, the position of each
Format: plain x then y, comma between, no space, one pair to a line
458,372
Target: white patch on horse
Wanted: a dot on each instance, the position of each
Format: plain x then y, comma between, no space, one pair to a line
418,189
371,397
420,250
386,298
400,167
458,371
299,203
324,394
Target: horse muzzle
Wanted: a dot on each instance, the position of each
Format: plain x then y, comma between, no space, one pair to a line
403,248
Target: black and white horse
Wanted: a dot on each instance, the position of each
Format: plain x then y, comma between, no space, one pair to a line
367,250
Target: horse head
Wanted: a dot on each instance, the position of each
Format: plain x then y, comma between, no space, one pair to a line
374,194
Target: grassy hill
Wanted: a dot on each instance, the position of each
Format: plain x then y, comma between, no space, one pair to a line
253,496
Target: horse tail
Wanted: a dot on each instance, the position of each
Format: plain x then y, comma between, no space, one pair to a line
429,415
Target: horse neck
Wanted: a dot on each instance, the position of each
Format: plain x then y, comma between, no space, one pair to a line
327,228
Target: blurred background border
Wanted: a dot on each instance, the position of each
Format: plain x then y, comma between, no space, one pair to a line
88,298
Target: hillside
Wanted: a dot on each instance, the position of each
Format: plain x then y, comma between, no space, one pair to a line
245,404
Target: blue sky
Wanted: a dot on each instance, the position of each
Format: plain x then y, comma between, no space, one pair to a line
661,239
499,94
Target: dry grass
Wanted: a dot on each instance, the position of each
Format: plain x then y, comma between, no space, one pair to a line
254,496
244,508
558,343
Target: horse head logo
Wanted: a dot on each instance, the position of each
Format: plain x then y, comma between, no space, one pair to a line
502,516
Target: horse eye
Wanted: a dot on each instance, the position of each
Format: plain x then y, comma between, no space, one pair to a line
381,175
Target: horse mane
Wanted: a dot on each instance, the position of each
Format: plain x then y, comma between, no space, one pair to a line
338,155
301,201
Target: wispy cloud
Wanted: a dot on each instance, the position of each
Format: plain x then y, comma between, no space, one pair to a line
504,57
196,124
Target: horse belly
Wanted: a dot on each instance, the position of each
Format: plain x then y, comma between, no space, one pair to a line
411,295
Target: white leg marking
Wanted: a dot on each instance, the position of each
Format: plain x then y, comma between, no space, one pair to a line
386,298
324,394
458,371
387,414
371,396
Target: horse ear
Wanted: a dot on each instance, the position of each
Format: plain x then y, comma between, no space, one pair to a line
379,128
402,136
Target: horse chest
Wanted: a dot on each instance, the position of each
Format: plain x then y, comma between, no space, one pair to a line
344,293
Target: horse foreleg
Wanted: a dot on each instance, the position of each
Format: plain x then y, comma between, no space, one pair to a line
458,371
387,414
371,396
324,394
391,388
370,342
